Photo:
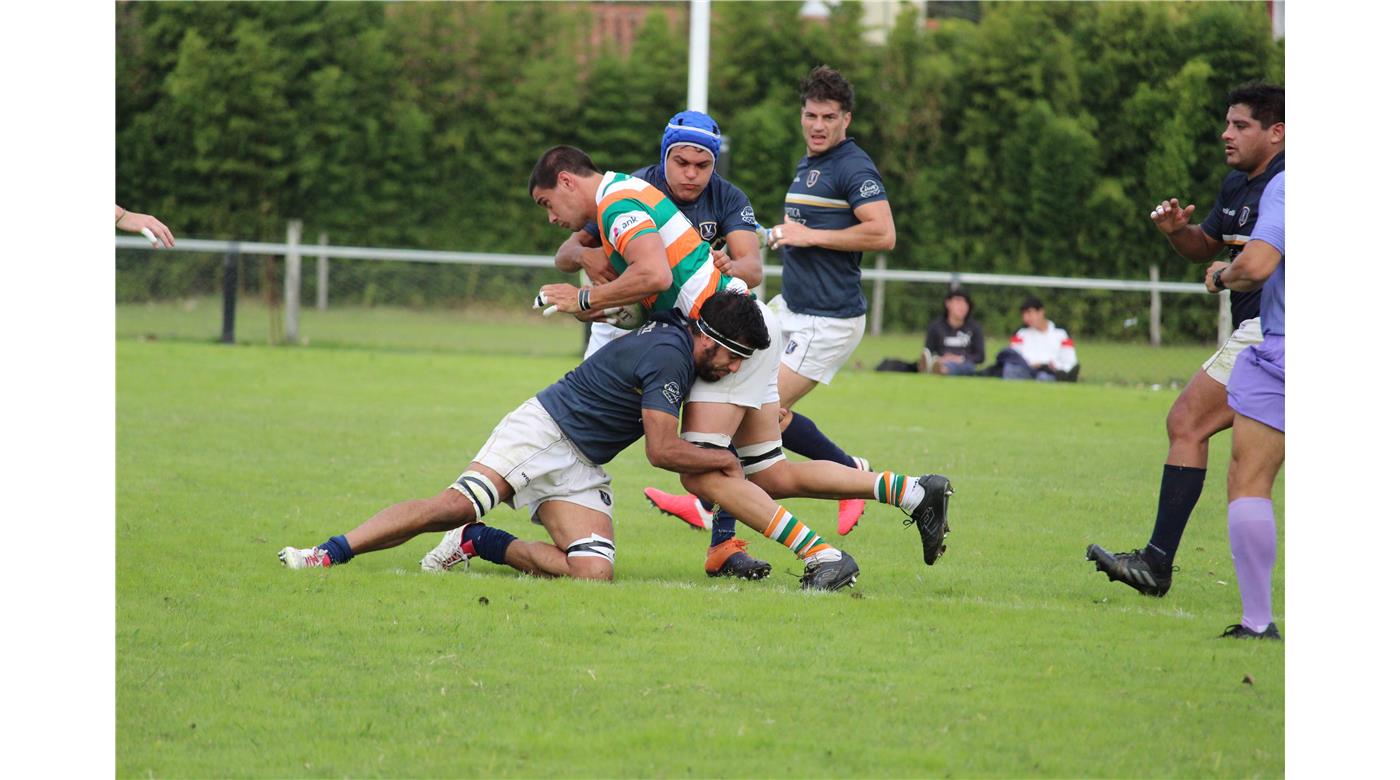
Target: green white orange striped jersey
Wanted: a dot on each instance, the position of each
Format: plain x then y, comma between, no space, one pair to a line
629,207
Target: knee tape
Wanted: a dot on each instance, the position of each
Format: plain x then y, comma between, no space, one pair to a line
475,486
718,440
757,457
592,546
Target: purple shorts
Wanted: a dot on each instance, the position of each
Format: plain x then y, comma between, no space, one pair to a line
1256,383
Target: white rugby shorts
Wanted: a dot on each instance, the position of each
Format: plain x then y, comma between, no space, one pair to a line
756,381
600,334
816,347
542,464
1219,365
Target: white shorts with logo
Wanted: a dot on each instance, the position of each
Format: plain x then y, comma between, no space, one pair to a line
1219,366
542,464
599,335
816,347
756,381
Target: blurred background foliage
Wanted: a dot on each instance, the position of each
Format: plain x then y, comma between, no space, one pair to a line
1031,140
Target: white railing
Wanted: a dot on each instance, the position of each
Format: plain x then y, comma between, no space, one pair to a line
880,275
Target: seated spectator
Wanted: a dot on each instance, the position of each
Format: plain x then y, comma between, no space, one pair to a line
954,343
1038,351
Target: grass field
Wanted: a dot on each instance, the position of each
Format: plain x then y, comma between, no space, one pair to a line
1010,657
522,332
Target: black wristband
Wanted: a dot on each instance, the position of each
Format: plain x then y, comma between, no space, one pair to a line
1215,279
583,299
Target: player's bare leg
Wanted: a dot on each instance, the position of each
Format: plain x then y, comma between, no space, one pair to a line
792,387
583,544
826,568
1199,412
394,525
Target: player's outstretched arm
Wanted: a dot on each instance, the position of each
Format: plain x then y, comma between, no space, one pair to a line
157,233
667,450
1189,241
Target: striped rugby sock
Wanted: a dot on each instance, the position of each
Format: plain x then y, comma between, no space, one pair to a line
898,490
792,533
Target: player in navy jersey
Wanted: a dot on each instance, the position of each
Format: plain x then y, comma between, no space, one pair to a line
720,212
548,454
835,210
1254,144
722,215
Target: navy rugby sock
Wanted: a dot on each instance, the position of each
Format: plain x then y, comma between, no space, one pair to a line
1181,488
721,527
490,543
338,548
804,438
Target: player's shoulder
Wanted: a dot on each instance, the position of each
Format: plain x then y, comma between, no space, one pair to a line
722,189
652,174
1235,182
850,153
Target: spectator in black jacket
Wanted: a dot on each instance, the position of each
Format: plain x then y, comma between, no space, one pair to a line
954,343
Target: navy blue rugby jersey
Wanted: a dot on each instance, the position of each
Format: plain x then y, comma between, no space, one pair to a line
599,404
1232,219
824,196
721,209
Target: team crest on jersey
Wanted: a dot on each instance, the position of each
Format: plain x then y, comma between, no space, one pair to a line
747,216
812,177
708,230
1244,215
672,391
869,188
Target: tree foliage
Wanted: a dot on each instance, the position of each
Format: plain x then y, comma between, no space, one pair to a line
1034,140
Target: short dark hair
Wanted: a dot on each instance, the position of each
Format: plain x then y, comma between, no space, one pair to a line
1032,302
736,315
957,292
1265,101
827,83
555,161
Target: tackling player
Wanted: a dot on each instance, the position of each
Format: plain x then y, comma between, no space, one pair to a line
549,453
741,407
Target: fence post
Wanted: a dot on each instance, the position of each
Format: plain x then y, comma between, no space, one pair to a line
1154,325
877,323
1224,326
323,276
230,291
291,291
761,291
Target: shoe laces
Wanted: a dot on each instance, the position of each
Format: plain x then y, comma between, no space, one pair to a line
1137,553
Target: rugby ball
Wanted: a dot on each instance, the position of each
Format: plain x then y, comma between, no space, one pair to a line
627,317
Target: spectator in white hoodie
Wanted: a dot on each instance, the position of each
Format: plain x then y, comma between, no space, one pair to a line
1039,351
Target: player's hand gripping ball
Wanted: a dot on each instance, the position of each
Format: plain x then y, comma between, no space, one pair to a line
627,317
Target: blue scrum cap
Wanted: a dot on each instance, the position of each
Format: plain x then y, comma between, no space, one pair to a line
693,128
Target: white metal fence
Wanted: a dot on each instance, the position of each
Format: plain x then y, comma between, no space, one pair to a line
294,250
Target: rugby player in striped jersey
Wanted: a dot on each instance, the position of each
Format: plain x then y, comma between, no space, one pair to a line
644,233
